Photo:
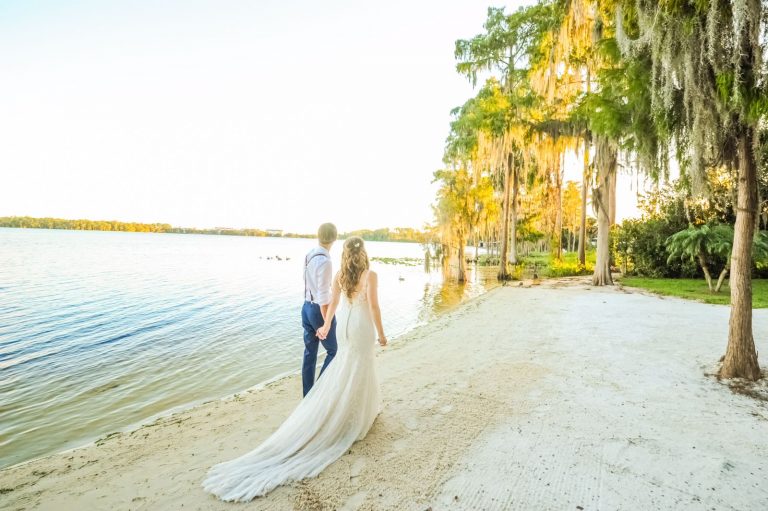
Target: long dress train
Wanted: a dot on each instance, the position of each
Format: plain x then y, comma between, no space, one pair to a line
338,410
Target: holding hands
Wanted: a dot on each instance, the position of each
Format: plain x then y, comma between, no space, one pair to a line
370,288
322,333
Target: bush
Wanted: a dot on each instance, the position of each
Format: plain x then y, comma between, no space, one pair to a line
639,245
569,269
639,248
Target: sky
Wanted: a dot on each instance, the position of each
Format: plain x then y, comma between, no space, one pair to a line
263,113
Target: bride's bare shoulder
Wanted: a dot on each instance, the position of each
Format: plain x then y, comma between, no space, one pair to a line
371,280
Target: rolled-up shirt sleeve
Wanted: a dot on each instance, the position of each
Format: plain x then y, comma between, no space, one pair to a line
324,278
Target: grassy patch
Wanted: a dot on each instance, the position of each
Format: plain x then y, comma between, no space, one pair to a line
696,289
548,266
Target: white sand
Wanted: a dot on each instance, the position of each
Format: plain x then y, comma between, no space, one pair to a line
551,397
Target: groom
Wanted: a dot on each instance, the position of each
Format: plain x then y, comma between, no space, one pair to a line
318,275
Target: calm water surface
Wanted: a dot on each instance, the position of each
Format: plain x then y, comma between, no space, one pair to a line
101,330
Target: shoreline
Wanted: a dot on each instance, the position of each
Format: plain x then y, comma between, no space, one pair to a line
152,419
185,407
515,398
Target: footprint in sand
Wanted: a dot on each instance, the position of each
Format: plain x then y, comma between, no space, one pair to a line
354,502
411,423
357,468
427,403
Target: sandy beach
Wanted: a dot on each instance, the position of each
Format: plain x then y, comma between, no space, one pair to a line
560,396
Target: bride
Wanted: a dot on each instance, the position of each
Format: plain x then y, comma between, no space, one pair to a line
341,406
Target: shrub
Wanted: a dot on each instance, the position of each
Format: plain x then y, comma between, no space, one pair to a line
639,248
569,269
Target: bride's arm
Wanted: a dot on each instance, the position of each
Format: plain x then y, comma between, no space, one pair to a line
373,303
335,297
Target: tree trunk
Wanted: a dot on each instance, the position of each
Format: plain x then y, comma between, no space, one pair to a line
705,268
462,272
740,355
559,218
503,275
721,278
602,274
583,226
513,221
605,162
612,200
584,184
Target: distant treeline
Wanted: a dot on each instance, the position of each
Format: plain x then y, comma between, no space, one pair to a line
398,234
385,234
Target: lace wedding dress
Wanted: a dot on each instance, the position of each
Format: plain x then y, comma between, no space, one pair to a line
338,410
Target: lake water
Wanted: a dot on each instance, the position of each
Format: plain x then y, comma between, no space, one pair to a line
102,330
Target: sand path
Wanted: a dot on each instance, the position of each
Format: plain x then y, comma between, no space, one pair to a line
554,397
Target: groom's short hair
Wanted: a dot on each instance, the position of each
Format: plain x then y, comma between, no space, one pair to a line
326,233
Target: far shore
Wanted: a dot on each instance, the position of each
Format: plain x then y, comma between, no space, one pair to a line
397,235
557,396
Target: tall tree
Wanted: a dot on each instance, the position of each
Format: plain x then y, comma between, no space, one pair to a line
462,202
506,48
611,108
566,72
710,93
586,180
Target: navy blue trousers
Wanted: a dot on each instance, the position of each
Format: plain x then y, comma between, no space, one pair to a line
312,319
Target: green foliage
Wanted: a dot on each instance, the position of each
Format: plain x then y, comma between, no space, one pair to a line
569,269
620,109
463,200
507,43
760,249
397,234
526,229
489,111
639,247
82,225
707,74
569,266
672,215
507,47
697,290
404,234
724,82
704,241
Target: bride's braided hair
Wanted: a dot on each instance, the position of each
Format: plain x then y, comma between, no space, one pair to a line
354,261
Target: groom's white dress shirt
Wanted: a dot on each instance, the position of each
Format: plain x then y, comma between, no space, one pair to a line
318,274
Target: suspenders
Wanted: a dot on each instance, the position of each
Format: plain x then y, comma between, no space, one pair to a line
307,259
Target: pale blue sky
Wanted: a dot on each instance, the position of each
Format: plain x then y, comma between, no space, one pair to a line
271,114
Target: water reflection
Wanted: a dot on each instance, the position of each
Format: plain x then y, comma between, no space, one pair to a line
101,330
442,296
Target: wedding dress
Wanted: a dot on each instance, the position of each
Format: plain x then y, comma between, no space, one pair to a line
338,410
